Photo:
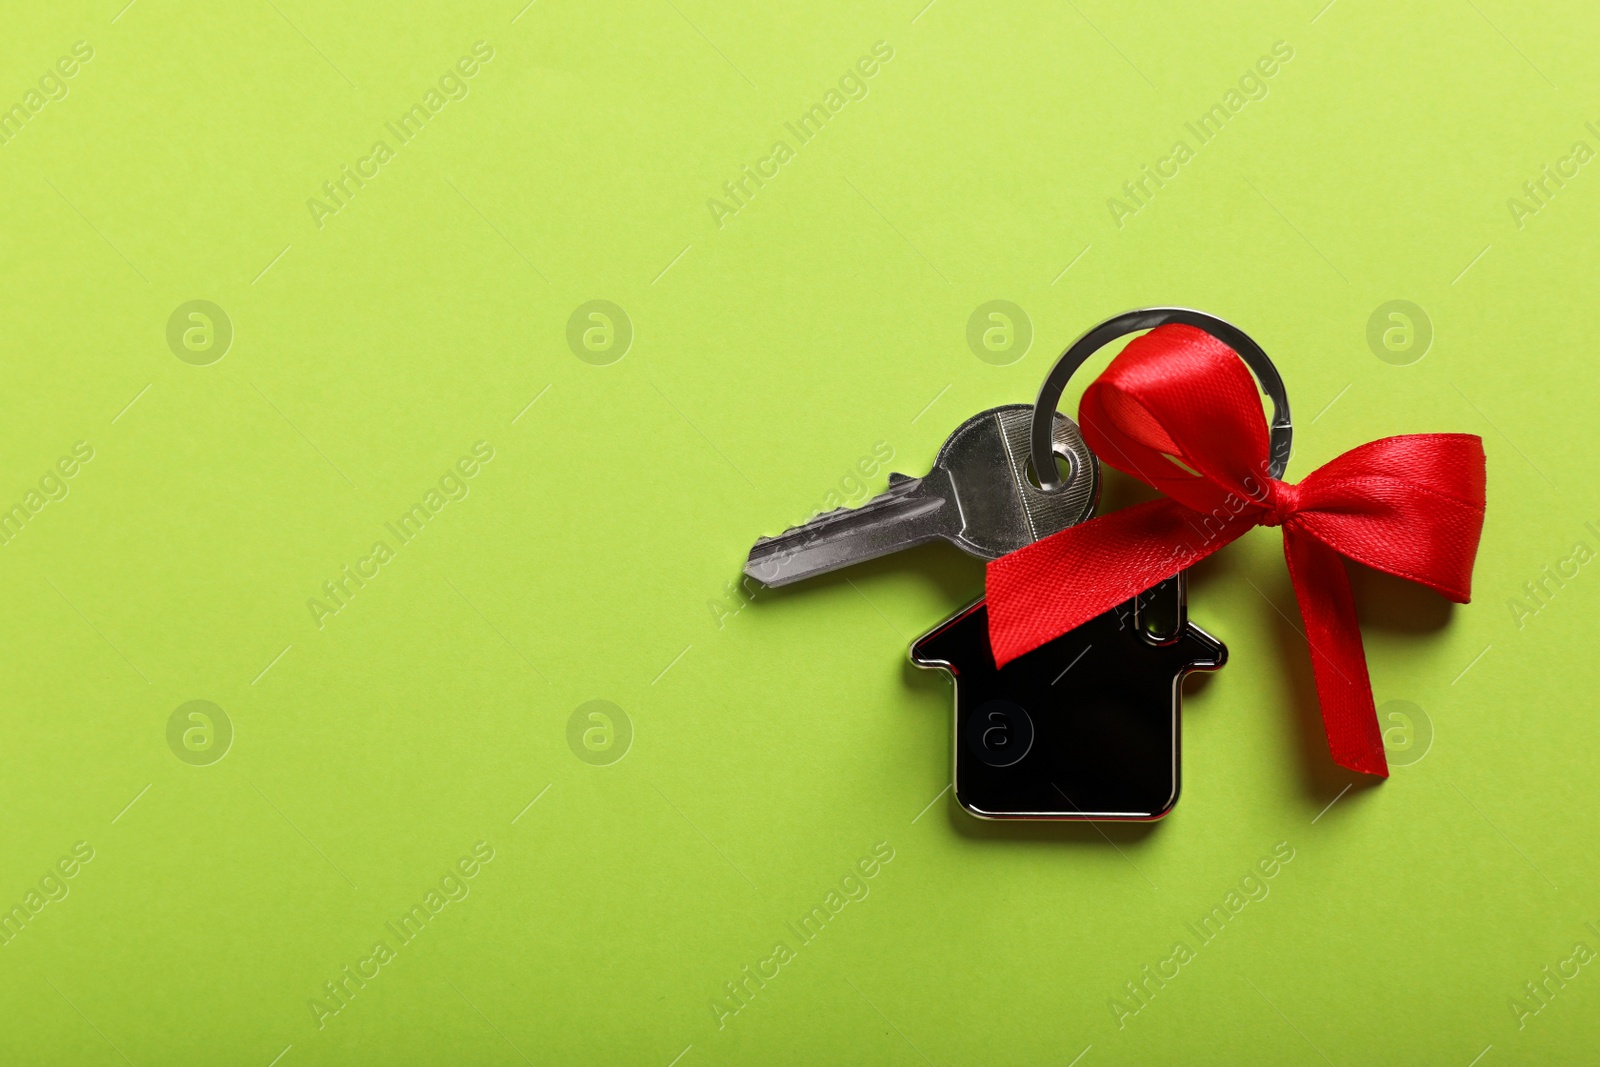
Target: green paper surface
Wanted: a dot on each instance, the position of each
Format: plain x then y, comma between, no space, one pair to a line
397,503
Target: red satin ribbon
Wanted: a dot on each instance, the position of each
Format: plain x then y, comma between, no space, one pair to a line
1178,410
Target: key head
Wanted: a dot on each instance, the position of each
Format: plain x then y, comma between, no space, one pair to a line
1001,505
1085,727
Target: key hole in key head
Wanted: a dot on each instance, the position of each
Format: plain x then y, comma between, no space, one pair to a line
1065,466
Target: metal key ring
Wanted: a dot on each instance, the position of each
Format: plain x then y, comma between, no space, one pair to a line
1055,383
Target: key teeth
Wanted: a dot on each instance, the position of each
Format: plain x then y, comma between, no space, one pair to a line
801,526
818,524
822,515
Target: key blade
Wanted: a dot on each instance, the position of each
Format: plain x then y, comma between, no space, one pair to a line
912,511
900,487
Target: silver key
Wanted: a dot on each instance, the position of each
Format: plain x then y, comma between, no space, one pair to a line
979,497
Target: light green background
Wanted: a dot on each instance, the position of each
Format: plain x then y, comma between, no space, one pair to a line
776,744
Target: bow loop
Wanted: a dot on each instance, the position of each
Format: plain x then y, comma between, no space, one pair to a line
1179,411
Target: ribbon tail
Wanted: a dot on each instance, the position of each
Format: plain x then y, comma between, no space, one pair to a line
1322,587
1040,592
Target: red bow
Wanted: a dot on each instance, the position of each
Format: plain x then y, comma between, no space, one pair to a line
1179,411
